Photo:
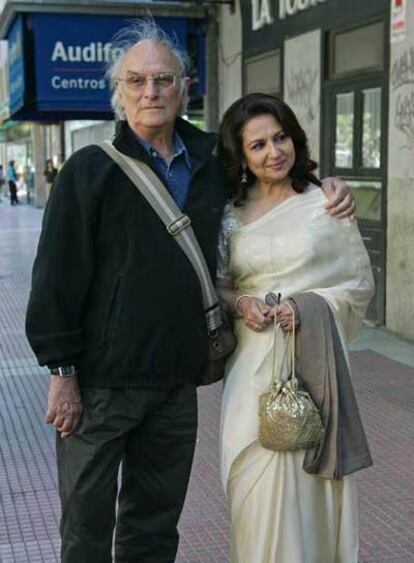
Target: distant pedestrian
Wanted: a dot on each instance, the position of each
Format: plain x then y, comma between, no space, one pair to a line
12,178
50,174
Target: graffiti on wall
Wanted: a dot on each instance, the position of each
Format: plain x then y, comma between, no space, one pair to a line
302,83
302,88
402,88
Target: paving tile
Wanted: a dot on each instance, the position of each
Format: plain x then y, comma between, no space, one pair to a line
29,506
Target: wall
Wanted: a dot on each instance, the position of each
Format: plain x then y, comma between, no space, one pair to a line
302,84
82,133
230,59
400,230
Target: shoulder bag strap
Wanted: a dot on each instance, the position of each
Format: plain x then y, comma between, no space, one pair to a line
177,223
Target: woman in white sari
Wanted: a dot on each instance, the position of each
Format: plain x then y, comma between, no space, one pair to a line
277,237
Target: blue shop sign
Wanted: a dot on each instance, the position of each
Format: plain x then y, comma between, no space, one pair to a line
16,65
69,54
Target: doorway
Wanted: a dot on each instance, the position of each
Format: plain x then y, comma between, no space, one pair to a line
355,133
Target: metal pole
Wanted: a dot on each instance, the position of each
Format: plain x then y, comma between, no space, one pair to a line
39,146
62,155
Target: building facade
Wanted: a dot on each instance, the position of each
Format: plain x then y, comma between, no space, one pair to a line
346,67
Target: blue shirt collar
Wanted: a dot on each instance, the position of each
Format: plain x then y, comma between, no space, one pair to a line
178,148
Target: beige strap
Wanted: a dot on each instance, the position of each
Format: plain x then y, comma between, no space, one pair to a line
177,224
276,379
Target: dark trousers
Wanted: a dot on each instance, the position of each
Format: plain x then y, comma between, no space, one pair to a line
13,192
153,433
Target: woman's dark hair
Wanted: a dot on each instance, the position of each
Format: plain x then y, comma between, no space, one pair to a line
230,147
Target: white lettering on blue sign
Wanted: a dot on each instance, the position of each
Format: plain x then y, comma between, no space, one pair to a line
92,53
59,83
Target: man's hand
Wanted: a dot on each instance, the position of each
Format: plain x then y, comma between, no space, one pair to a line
340,202
64,407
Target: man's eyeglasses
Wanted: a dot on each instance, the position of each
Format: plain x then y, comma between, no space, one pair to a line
162,80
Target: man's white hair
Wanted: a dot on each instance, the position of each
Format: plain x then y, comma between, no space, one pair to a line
141,30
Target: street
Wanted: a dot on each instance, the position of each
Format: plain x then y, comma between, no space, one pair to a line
29,510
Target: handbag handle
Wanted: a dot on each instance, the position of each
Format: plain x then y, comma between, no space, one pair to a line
275,379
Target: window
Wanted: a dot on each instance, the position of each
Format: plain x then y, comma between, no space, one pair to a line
344,130
357,128
357,50
262,73
367,198
371,128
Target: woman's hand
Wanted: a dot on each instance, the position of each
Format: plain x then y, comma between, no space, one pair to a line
284,315
255,313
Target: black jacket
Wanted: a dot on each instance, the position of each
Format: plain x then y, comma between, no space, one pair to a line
112,292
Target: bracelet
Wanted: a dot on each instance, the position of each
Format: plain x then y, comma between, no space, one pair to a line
237,302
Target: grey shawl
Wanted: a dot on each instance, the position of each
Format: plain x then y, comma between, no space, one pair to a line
324,372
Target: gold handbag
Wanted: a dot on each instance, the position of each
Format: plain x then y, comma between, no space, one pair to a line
288,417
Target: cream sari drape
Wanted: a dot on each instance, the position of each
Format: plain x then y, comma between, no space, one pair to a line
279,513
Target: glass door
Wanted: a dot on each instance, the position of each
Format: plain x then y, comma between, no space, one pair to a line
354,151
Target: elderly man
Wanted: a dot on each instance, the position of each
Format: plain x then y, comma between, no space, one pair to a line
116,313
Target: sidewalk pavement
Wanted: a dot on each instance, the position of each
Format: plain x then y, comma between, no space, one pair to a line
383,368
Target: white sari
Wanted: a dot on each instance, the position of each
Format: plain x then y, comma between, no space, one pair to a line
279,513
